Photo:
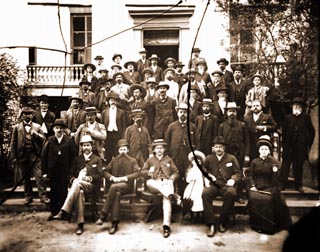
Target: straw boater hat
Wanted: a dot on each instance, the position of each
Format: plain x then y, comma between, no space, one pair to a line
207,101
223,60
86,139
169,69
89,64
197,154
143,50
59,122
154,56
170,59
137,86
182,105
135,112
196,49
231,105
219,140
157,142
132,63
116,55
90,110
122,142
264,140
298,100
163,84
98,57
151,80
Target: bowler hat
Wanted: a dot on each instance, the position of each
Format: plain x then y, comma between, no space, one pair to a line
90,110
122,142
27,110
59,122
163,84
154,56
231,105
236,68
135,112
44,98
222,88
116,55
84,82
264,140
179,64
103,69
86,139
75,98
219,140
217,72
157,142
298,100
132,63
137,86
196,49
98,57
170,59
198,154
112,95
89,64
223,60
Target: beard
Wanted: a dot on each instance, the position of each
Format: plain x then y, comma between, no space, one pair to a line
183,118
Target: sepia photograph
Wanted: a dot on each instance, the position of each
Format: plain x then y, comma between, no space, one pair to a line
159,125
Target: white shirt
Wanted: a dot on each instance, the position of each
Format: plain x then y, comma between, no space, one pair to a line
112,119
256,116
222,105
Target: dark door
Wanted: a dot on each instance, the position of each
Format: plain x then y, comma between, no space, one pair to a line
164,52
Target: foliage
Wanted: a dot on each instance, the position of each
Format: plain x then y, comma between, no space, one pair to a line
287,28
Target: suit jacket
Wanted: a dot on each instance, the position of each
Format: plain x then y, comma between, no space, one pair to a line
225,169
211,129
158,74
98,135
177,136
121,119
132,79
228,77
18,140
55,156
48,120
217,111
298,133
166,164
68,115
123,165
239,97
141,66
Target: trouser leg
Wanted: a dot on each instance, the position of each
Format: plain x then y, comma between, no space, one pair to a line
167,210
208,194
229,197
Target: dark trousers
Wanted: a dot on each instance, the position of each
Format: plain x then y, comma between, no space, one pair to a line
209,194
296,160
182,162
112,202
111,145
58,194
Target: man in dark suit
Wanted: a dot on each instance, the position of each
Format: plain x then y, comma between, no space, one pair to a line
26,142
132,75
44,116
227,75
88,76
258,124
121,172
85,178
115,122
157,71
224,171
57,156
297,137
178,143
142,63
206,127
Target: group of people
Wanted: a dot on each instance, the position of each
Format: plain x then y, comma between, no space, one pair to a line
190,135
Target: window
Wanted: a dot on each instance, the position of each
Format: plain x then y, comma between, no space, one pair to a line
81,29
32,56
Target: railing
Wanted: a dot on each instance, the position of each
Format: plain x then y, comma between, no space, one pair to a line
54,75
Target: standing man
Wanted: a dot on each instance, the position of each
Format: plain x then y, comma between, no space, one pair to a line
180,77
101,97
297,136
179,144
203,78
227,75
132,75
137,94
96,130
56,158
88,76
164,109
44,116
121,88
224,171
115,122
142,63
85,178
195,58
206,127
173,91
170,62
85,94
162,173
157,71
26,143
121,172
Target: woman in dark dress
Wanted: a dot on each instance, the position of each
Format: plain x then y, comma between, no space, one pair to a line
268,212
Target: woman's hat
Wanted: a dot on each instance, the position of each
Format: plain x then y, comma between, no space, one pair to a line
137,86
264,140
157,142
89,64
122,142
222,88
197,154
59,122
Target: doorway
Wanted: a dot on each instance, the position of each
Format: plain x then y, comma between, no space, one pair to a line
164,52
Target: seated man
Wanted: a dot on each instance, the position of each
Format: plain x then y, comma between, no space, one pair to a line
121,172
162,173
88,168
224,172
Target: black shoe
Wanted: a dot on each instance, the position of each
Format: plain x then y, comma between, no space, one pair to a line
45,200
175,199
28,201
113,228
222,228
211,231
50,217
166,231
79,229
62,215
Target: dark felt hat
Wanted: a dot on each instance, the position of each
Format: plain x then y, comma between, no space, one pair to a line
27,110
122,142
89,64
147,69
132,63
112,95
222,88
44,98
219,140
196,49
75,98
179,64
103,70
116,65
223,60
59,122
116,55
116,74
137,86
298,100
84,82
98,57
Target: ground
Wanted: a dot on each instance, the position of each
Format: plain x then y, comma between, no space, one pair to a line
31,232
